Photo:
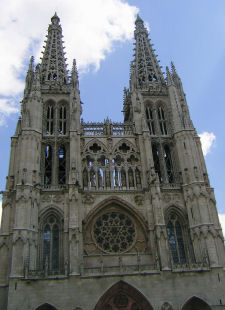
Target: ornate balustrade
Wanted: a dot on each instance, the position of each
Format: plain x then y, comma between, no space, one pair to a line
118,263
107,128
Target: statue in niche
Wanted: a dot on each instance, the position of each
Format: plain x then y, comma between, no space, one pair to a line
99,179
92,177
131,178
138,178
85,178
107,179
123,178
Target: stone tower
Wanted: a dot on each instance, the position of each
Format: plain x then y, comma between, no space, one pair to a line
108,216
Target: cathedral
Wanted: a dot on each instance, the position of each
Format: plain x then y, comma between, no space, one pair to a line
108,215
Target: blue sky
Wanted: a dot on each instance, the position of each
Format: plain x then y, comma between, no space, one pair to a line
99,35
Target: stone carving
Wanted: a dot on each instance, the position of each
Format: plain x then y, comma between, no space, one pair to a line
88,199
139,200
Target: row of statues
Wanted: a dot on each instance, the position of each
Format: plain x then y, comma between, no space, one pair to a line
119,178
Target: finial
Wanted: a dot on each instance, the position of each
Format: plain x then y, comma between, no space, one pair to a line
55,19
173,68
138,19
31,65
168,76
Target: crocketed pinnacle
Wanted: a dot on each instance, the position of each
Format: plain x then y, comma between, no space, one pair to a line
145,68
53,66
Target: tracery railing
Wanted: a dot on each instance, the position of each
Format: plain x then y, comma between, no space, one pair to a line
107,128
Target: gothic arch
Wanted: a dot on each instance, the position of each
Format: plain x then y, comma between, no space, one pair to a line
50,251
97,141
51,209
123,295
63,102
127,142
178,209
129,229
149,102
49,101
196,303
179,239
46,306
121,203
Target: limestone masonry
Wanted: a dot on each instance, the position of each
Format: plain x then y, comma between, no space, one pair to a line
108,216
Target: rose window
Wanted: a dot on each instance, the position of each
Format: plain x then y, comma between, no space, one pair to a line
114,232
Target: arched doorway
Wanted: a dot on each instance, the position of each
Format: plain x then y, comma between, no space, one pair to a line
46,307
196,303
123,296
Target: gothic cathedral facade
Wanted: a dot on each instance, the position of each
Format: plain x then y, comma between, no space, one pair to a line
108,216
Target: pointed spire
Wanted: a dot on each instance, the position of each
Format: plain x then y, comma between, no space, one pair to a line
168,76
53,66
29,76
74,75
146,66
175,77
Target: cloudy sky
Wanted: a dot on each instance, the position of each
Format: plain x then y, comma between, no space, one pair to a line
99,34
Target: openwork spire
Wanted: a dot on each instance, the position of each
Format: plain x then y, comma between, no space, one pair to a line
53,66
145,68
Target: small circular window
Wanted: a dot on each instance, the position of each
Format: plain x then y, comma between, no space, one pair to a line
114,232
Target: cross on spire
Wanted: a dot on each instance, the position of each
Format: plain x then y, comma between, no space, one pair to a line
53,66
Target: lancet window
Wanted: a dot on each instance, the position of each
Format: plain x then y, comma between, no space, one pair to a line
162,121
150,120
175,232
169,165
54,165
120,170
62,165
50,120
55,119
62,120
156,159
48,165
51,244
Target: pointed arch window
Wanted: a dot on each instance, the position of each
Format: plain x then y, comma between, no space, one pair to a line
62,165
48,165
62,120
155,153
50,120
51,244
176,239
150,120
169,165
162,121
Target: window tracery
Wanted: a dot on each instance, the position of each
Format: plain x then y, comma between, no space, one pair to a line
62,165
150,120
55,119
175,232
50,120
169,165
62,120
48,165
162,121
114,232
51,243
120,169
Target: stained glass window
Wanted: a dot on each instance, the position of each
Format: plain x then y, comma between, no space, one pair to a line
176,240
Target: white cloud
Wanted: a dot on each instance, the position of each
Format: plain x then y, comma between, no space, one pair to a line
207,140
222,222
90,29
7,107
